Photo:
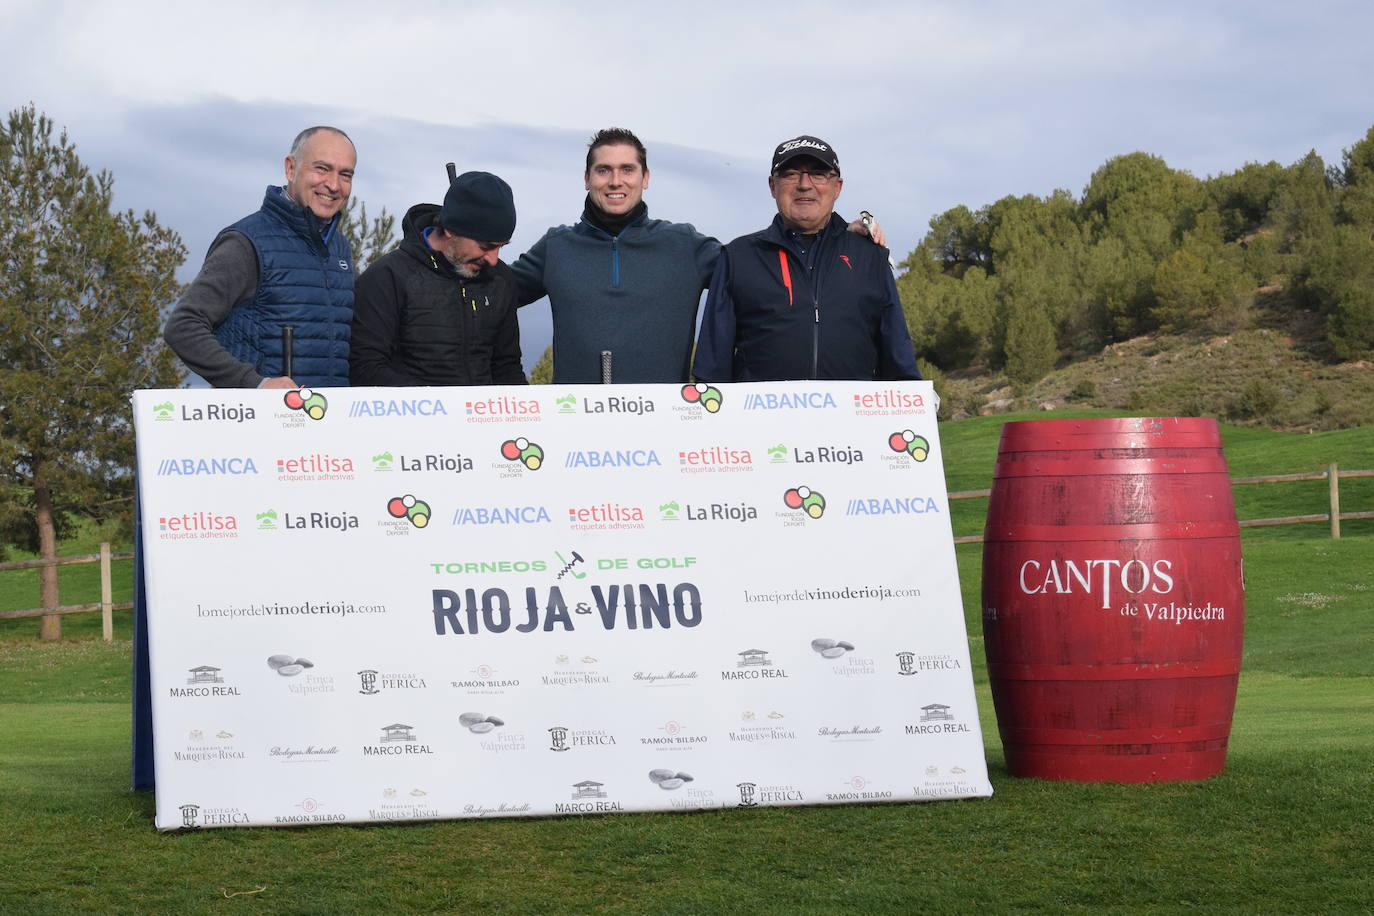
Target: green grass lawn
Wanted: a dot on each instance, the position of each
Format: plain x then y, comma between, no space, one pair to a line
1285,828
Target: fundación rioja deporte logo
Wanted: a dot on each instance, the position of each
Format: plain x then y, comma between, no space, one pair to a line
415,511
520,449
708,396
907,441
805,500
311,403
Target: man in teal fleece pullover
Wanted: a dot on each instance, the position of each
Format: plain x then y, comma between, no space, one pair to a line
619,281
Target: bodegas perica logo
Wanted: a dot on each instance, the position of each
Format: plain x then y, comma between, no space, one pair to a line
708,396
311,403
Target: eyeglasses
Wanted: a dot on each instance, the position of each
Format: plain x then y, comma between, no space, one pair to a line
817,176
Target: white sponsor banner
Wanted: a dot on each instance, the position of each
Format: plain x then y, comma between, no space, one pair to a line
378,604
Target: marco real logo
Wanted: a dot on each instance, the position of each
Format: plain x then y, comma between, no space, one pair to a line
311,403
707,397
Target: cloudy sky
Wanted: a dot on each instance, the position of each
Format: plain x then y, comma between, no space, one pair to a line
929,104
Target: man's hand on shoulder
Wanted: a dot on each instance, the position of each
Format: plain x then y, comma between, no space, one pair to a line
867,224
281,381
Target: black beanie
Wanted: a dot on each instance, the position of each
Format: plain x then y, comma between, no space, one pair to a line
479,206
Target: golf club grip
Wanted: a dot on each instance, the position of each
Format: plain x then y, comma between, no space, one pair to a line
452,173
605,367
288,341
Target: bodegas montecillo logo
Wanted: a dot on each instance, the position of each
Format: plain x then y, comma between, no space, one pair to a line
907,441
409,508
708,397
530,454
805,500
311,403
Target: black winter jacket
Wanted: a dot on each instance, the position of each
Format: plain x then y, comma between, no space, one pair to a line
775,312
416,322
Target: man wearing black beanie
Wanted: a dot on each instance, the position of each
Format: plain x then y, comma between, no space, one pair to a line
440,308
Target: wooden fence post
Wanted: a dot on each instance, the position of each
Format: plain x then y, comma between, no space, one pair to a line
106,594
1334,481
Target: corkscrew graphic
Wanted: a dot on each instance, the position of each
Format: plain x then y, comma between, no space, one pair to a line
568,566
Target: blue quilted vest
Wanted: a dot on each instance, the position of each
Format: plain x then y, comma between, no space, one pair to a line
303,280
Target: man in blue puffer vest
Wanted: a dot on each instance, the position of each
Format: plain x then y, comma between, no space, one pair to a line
286,264
803,299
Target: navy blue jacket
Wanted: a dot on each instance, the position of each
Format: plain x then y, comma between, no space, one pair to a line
777,311
305,280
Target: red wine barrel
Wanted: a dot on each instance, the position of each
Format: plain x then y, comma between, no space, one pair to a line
1113,600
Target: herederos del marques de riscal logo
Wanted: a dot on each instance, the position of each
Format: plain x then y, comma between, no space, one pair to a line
708,396
907,441
524,451
416,511
311,403
806,500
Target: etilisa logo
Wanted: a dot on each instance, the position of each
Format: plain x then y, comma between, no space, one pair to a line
197,526
501,408
888,402
907,441
805,500
408,507
311,403
714,459
708,397
530,454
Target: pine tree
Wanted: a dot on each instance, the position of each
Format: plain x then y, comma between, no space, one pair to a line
82,289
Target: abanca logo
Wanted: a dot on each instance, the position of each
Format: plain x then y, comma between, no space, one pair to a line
205,467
